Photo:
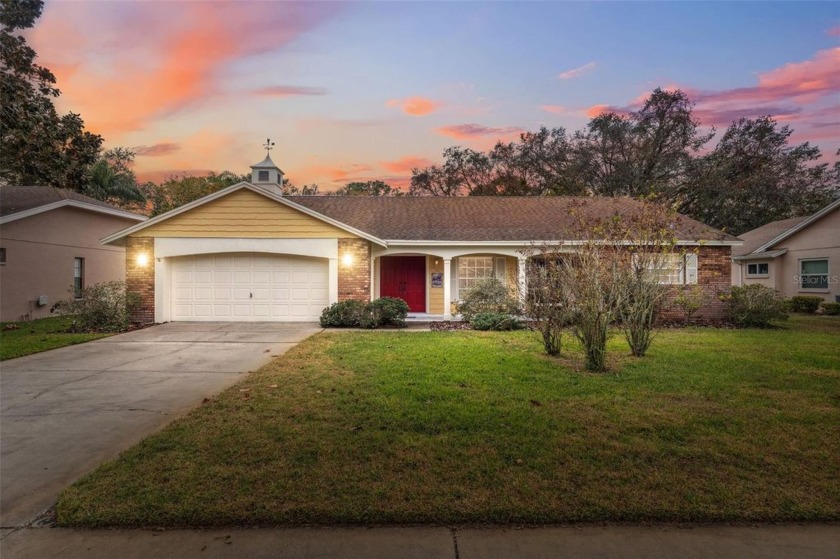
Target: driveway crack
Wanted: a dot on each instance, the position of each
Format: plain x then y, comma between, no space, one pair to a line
109,369
455,541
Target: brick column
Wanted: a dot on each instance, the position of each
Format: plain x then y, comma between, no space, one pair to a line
714,273
141,279
354,278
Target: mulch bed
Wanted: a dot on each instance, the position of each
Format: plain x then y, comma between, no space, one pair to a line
449,325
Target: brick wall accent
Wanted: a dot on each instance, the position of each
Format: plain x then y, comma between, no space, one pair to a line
141,279
354,280
714,276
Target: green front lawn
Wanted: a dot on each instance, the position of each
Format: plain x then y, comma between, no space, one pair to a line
39,335
472,427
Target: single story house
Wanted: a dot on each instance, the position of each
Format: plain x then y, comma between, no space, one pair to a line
50,244
248,253
798,256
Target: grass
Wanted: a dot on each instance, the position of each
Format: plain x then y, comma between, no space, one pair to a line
39,335
475,427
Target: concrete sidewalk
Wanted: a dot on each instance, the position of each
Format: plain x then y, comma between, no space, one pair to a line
814,541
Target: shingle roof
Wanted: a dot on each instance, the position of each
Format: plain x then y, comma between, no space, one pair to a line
481,218
761,235
15,199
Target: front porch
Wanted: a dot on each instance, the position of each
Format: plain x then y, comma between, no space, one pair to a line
433,281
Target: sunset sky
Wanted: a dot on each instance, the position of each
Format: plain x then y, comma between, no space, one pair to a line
358,91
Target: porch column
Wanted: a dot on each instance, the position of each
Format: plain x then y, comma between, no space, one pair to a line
333,280
447,289
523,280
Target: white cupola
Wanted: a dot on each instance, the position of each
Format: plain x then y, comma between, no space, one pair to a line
266,174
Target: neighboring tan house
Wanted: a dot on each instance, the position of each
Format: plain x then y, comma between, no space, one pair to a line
248,253
50,245
799,256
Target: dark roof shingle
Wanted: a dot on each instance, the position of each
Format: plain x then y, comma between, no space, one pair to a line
15,199
481,218
761,235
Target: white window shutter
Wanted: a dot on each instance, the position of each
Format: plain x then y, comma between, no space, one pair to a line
690,268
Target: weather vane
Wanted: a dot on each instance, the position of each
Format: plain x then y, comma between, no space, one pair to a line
269,145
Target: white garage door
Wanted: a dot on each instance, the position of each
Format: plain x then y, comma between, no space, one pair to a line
249,287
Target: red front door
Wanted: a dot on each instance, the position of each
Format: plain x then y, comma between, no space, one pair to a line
404,277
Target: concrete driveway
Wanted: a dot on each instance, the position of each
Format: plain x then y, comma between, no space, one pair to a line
63,412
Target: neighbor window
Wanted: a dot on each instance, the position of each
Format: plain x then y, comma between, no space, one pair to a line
78,277
263,176
813,274
758,269
2,255
472,269
676,269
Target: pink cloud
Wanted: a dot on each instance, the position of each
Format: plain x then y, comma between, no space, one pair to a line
156,150
156,59
555,109
805,81
833,31
415,106
796,92
596,110
290,91
576,72
406,164
473,131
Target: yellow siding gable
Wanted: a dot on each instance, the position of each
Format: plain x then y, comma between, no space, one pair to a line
244,213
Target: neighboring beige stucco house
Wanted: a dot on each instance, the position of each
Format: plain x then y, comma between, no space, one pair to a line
49,243
249,253
799,256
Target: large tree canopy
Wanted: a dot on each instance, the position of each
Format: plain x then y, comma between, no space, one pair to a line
754,176
641,153
177,191
38,146
112,179
540,163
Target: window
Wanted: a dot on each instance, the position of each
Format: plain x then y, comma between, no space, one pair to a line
758,269
78,277
262,176
2,255
813,274
676,269
471,269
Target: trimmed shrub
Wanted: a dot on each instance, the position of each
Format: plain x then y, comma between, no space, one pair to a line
496,321
346,314
104,307
386,311
487,296
807,304
830,309
756,305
